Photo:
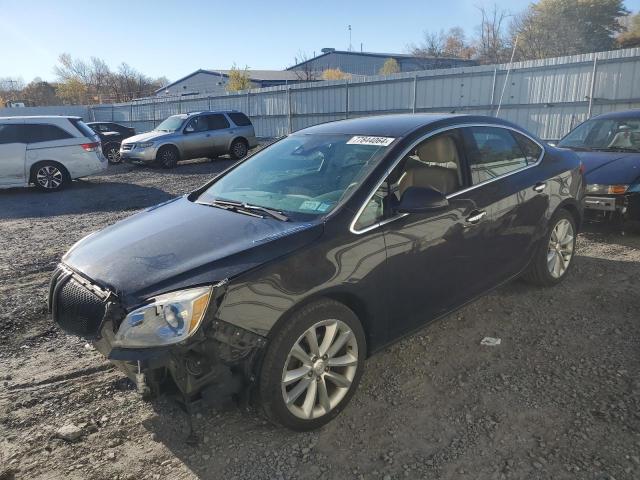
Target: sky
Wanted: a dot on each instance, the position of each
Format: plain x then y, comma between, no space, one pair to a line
172,39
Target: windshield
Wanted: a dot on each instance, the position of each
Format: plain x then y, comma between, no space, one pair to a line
304,174
171,124
605,134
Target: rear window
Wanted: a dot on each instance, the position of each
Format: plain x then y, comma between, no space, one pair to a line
240,119
217,122
36,133
82,127
11,133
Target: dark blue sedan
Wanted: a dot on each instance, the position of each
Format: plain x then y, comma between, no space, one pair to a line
609,147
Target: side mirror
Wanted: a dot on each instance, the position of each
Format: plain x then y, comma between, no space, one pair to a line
421,200
189,129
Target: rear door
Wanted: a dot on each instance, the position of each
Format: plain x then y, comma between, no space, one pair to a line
221,133
12,155
505,189
51,142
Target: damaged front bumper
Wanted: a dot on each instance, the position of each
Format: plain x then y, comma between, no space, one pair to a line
626,206
219,360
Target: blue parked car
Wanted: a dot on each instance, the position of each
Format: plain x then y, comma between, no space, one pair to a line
609,147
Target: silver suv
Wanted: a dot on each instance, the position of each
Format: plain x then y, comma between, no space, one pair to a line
192,135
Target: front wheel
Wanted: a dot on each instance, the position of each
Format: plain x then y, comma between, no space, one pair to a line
167,157
555,253
312,366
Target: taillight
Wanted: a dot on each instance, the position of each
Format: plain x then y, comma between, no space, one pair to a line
91,147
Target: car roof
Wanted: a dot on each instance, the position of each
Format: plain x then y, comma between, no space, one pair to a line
212,111
622,114
396,125
43,118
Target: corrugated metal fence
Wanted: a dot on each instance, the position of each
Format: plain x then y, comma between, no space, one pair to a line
547,96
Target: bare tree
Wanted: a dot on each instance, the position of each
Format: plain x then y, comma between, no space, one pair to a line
492,42
305,71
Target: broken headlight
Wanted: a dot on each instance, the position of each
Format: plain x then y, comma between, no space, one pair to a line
167,319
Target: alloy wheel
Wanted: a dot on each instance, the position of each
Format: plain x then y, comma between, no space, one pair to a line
560,251
319,369
239,150
49,177
113,155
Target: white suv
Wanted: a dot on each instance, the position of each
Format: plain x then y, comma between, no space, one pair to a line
47,151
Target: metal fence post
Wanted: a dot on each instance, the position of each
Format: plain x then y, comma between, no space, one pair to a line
415,92
289,108
346,99
248,103
209,102
112,107
130,113
493,87
179,105
592,87
153,110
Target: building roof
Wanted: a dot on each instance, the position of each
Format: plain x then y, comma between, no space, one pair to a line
254,75
380,55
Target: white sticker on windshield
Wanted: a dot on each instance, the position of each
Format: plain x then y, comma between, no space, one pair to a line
309,205
378,141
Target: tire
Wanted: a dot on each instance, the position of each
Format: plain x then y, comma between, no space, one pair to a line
308,378
112,152
556,252
239,149
50,176
167,157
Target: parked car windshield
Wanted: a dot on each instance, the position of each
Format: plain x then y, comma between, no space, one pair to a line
171,124
615,134
303,174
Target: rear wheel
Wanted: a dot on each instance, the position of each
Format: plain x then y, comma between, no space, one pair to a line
112,152
50,176
167,157
239,149
312,366
555,253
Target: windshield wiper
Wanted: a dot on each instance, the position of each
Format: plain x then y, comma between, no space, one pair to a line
247,209
617,149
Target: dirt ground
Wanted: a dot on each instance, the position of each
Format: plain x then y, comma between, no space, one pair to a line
559,398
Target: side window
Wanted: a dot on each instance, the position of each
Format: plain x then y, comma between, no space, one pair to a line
433,163
197,124
11,133
240,119
217,122
37,133
492,152
531,149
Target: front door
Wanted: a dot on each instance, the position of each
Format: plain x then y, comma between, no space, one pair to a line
197,139
12,155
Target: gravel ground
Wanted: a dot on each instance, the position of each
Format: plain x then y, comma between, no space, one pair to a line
558,398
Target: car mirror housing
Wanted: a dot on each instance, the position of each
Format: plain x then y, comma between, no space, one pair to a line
421,200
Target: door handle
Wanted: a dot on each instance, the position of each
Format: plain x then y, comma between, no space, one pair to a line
539,187
476,216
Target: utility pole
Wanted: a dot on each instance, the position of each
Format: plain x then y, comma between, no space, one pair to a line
350,47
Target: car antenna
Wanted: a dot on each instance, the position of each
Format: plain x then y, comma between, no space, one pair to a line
506,79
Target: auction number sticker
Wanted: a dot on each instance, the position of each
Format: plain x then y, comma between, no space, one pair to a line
378,141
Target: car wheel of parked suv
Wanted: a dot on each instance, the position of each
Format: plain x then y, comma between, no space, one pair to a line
313,366
551,262
49,176
167,157
112,152
239,149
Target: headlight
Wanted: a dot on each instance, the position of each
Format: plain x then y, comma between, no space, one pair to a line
168,319
598,188
145,145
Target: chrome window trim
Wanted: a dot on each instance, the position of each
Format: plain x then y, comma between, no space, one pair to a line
352,227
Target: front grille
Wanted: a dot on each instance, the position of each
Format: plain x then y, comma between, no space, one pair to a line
127,146
76,309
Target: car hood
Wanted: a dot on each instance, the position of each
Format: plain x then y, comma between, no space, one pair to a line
610,168
147,136
180,244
